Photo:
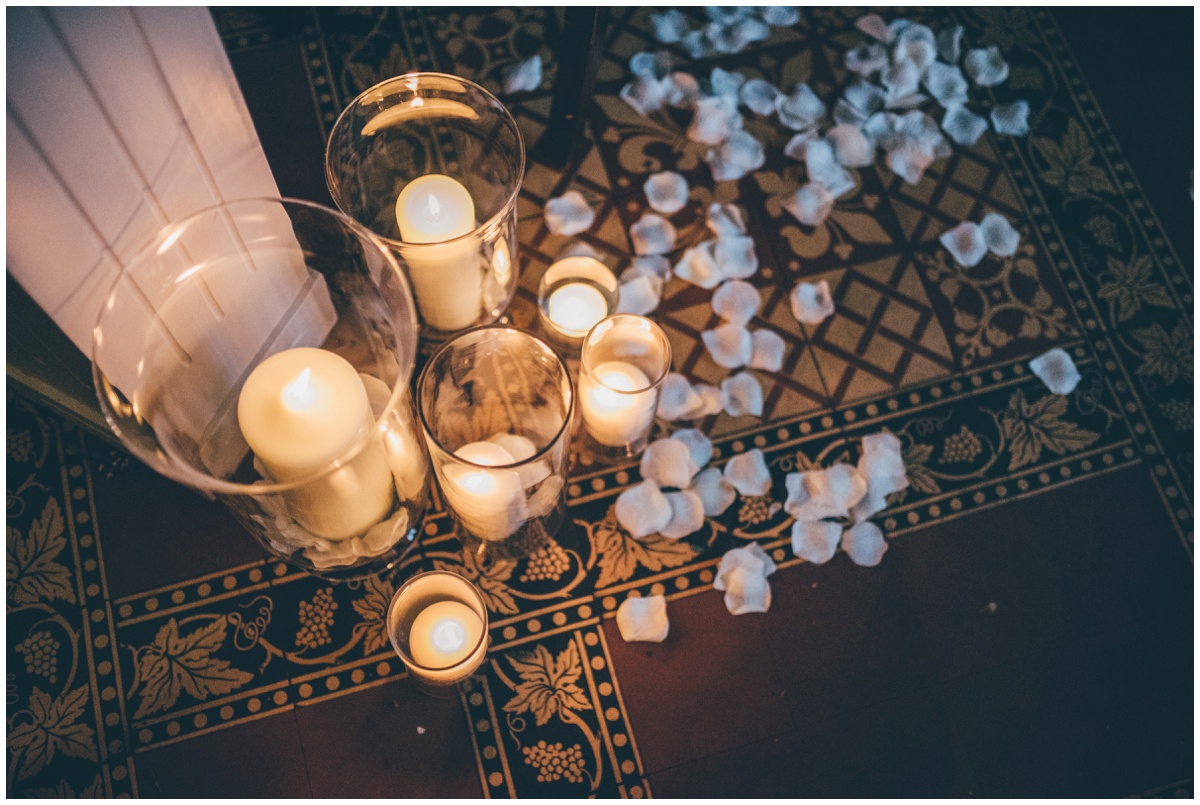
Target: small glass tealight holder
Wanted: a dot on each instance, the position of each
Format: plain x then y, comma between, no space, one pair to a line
438,625
621,368
574,294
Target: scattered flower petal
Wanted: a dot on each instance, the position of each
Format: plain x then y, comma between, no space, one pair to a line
682,90
652,234
949,44
768,350
1011,118
640,295
986,66
741,395
759,96
908,160
850,146
713,121
1002,238
524,76
669,26
643,510
667,192
687,515
711,399
830,492
801,109
811,304
742,575
729,345
780,16
798,145
569,214
725,219
810,204
965,243
668,462
963,126
1056,370
873,25
882,465
866,59
697,443
643,620
648,265
715,492
725,83
864,544
736,257
698,265
815,541
823,167
748,473
650,65
645,95
946,84
736,301
677,399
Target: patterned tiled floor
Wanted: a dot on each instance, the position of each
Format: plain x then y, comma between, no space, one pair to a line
1028,632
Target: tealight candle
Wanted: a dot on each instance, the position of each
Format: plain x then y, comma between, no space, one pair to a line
616,406
299,411
437,623
490,503
447,279
575,293
444,634
621,368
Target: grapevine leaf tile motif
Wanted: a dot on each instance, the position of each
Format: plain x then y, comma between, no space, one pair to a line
175,664
1129,285
1069,165
32,573
1029,427
372,608
49,726
1168,356
620,555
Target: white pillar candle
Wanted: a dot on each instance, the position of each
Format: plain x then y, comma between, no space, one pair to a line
444,634
301,409
447,278
617,403
490,503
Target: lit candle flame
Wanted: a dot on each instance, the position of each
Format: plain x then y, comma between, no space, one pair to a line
435,209
297,393
449,635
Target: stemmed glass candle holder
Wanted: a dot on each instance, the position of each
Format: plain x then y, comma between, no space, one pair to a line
432,164
495,406
621,368
574,294
438,622
260,352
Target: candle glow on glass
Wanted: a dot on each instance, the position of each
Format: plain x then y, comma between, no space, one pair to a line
490,503
302,409
447,281
614,411
576,308
444,634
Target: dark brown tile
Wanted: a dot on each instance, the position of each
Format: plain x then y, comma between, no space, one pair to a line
370,744
709,687
146,521
845,638
258,759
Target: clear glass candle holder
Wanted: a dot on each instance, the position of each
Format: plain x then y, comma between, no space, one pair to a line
574,294
260,352
438,625
621,368
495,406
432,164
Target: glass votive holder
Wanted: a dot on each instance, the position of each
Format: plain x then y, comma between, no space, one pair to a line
621,368
260,352
438,625
495,405
432,163
574,294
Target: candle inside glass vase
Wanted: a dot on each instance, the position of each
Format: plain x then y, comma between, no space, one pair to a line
437,623
447,276
574,294
622,364
299,411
